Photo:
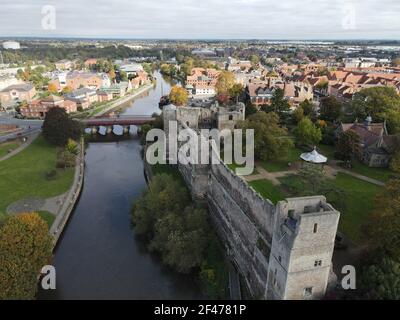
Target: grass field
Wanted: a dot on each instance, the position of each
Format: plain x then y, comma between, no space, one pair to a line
267,190
6,146
294,156
327,151
381,174
48,217
354,198
24,175
233,167
282,164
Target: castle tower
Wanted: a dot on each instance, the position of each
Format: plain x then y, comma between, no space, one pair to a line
302,249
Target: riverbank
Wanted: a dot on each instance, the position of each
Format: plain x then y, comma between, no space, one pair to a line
113,105
71,197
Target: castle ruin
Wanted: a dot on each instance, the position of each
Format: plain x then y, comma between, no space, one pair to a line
282,251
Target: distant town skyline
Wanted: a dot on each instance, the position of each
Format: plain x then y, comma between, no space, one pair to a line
208,19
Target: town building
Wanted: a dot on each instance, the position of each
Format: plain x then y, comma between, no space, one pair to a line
140,79
131,69
238,65
64,64
377,145
7,80
83,97
17,93
90,62
202,82
117,89
39,108
259,93
13,45
104,96
79,79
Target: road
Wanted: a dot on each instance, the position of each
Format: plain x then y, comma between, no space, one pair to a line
27,127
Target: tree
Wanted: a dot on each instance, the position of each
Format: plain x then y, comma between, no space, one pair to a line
178,96
225,82
381,280
331,109
52,88
163,195
255,60
396,62
236,91
308,107
348,146
313,176
173,228
395,162
168,70
187,66
383,229
72,147
250,109
322,86
270,140
279,105
58,127
144,129
298,115
25,247
181,238
123,76
67,89
381,103
307,133
112,74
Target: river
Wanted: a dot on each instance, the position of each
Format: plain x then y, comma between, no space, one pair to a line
98,256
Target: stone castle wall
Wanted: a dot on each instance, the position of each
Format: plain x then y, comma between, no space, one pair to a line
244,221
273,247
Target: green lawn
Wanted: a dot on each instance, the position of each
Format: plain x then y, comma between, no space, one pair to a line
294,156
327,151
267,190
233,167
24,175
381,174
359,204
6,146
354,198
48,217
282,164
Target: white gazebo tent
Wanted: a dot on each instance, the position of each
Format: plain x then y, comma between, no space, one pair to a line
314,157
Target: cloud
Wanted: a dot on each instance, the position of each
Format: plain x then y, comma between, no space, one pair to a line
266,19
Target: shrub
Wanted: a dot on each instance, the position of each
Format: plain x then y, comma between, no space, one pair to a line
65,159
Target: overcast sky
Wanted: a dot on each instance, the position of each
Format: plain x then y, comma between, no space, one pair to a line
206,19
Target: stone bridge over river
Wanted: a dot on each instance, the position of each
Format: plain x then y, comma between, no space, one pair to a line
121,120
